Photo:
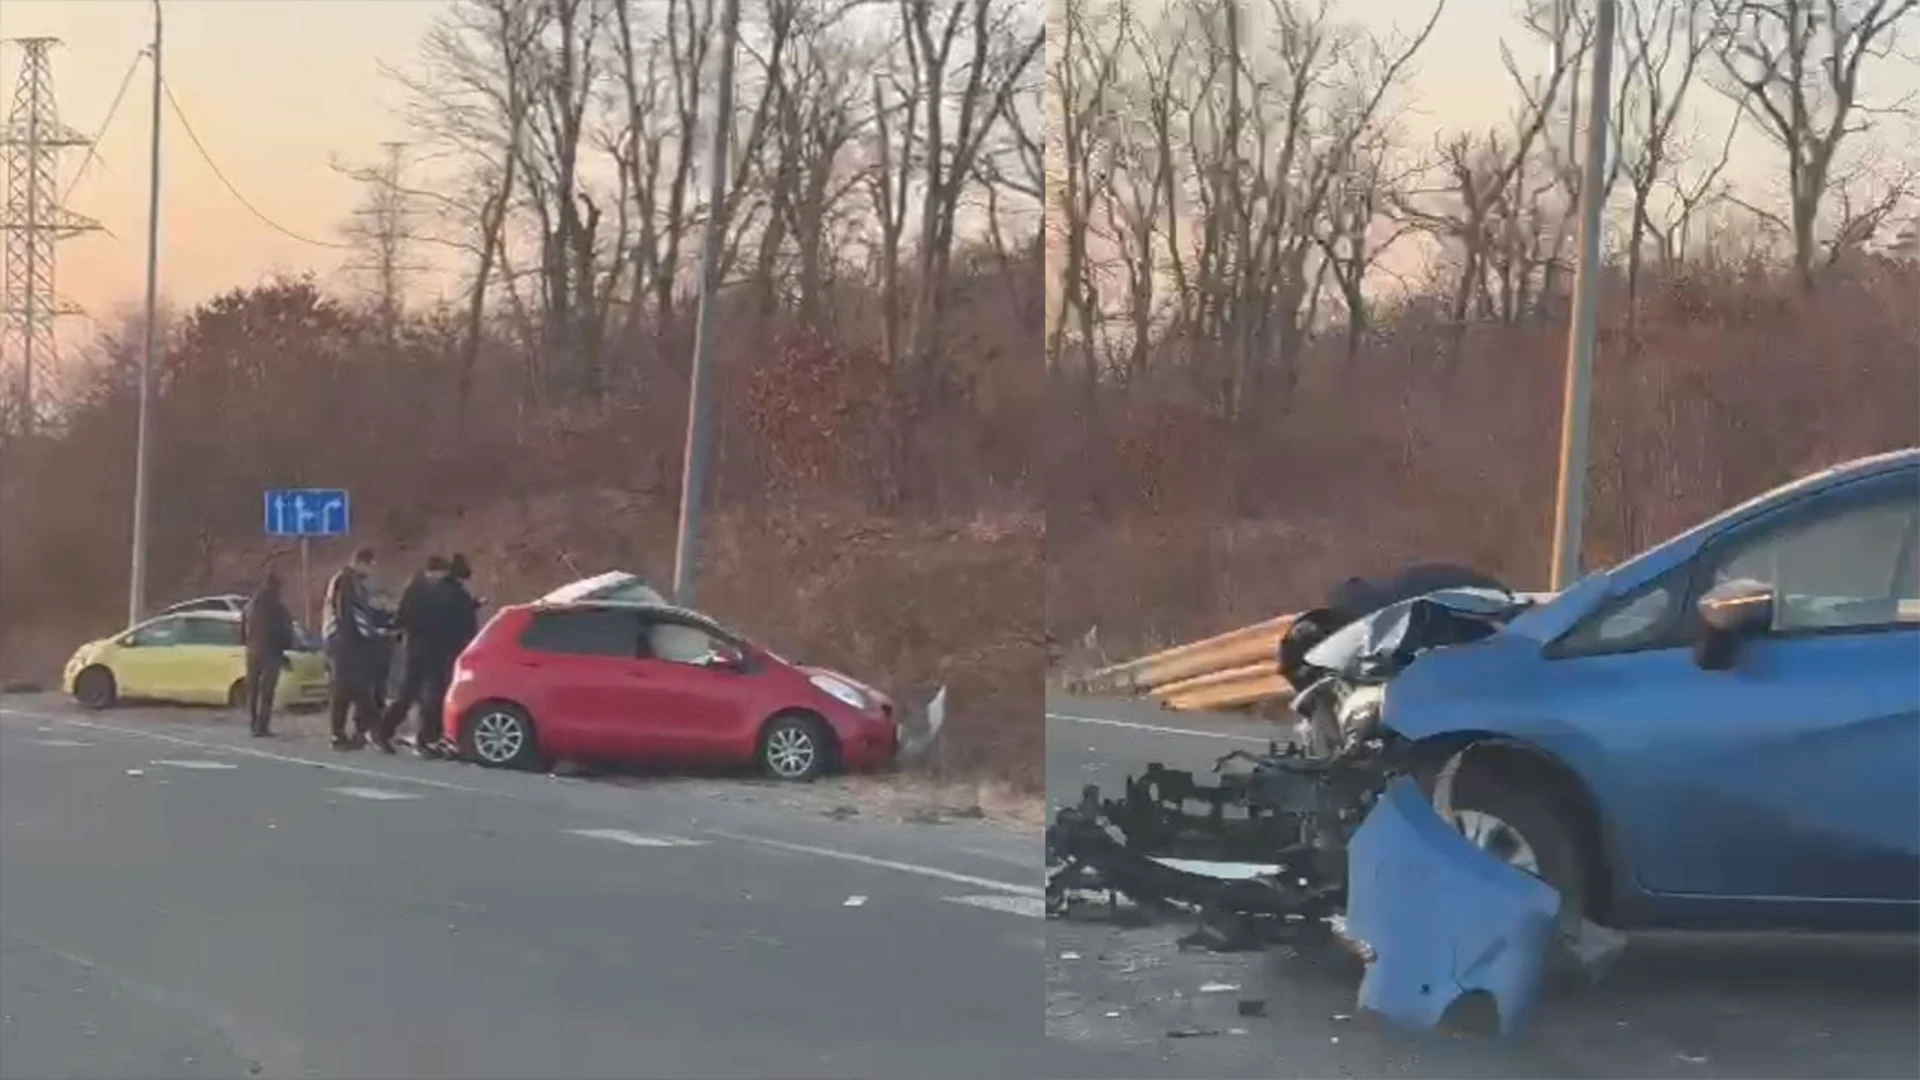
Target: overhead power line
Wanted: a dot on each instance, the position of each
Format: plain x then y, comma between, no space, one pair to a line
192,137
93,148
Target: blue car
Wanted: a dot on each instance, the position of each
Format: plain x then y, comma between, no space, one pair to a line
1720,733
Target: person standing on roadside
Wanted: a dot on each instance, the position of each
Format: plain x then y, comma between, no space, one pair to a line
426,621
460,575
463,623
353,641
266,628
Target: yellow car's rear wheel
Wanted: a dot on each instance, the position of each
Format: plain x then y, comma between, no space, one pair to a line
95,688
237,694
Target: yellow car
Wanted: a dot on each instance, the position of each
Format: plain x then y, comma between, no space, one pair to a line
191,657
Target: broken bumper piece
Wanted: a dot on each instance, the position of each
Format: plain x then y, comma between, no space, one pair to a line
1435,918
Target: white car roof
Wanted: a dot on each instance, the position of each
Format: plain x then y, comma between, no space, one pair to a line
586,587
217,598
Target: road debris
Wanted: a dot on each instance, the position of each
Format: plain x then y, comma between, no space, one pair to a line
1436,919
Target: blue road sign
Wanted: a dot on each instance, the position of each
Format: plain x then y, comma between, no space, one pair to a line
308,512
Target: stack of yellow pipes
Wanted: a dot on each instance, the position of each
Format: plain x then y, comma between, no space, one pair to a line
1233,670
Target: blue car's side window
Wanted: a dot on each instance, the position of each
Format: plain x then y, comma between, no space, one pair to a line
1646,618
1841,565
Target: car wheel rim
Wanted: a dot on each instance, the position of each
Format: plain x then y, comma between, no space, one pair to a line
790,751
1499,839
498,737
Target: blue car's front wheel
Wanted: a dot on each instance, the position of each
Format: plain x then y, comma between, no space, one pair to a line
1520,816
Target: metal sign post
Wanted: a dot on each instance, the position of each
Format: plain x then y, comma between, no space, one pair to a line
304,513
306,582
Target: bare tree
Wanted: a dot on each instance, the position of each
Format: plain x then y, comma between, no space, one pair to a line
1080,79
962,93
1665,41
470,100
1795,67
1360,229
1486,208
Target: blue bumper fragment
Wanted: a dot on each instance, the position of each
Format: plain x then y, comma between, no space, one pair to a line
1435,917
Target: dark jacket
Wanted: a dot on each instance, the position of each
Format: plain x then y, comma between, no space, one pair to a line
429,617
463,613
266,626
350,618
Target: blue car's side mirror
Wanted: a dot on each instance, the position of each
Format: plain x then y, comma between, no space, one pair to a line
1731,612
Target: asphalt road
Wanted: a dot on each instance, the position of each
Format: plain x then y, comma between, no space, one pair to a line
177,900
1676,1006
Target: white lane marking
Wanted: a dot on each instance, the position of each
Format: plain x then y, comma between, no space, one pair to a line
1022,861
1157,729
856,900
805,849
266,755
374,793
623,836
1035,891
1031,906
60,742
194,763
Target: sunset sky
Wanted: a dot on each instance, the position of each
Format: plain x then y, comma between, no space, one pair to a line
274,88
277,88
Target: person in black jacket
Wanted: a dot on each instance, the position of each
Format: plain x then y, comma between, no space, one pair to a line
428,621
460,575
266,628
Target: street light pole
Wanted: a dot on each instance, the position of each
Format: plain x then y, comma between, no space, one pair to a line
1570,505
137,586
693,465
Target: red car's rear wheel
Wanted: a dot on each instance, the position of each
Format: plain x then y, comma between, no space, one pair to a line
501,736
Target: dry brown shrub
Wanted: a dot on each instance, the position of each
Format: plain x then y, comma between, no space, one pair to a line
1164,524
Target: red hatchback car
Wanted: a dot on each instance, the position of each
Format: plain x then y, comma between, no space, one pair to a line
654,685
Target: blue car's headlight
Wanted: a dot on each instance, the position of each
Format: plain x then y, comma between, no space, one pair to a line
1360,712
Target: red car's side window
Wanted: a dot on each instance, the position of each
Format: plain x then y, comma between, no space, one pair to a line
614,634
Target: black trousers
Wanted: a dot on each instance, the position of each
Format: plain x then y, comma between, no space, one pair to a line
351,670
263,677
423,682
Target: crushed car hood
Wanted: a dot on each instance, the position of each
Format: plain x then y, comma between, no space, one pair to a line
1381,643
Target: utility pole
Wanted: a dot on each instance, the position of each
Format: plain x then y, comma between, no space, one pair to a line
388,215
34,222
693,465
1569,513
137,584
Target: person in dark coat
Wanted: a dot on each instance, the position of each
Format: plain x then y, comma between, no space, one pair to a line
427,620
354,641
460,574
266,628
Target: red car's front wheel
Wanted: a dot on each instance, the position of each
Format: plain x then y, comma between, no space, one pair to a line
795,746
